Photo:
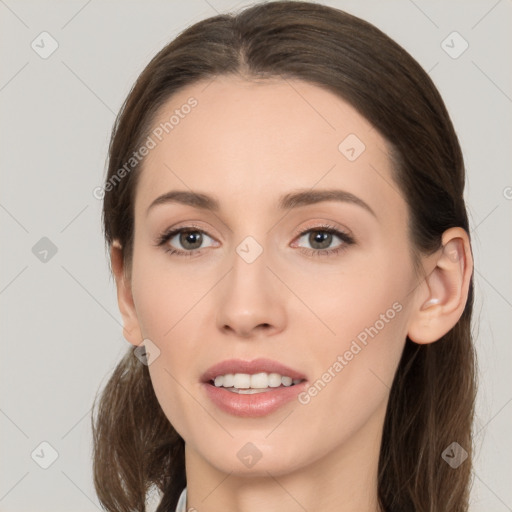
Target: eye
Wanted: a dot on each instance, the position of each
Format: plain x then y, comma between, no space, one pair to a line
321,238
189,238
188,241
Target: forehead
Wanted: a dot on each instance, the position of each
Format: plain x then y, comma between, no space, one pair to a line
251,141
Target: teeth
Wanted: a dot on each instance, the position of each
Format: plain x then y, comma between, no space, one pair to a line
259,380
229,380
287,381
256,383
242,380
249,391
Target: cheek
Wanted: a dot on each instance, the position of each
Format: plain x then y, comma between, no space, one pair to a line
166,302
364,291
162,293
355,367
366,312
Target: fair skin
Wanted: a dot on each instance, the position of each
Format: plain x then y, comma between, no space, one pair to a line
247,144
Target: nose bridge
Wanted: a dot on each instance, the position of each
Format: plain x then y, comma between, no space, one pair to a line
250,245
249,297
249,275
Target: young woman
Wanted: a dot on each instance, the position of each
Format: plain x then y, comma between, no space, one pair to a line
285,217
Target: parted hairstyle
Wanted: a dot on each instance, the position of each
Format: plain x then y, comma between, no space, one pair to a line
431,403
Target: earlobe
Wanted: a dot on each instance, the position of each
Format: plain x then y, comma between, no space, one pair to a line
443,294
131,328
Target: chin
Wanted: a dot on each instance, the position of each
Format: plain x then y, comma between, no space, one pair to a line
253,459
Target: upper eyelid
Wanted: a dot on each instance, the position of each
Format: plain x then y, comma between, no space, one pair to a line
301,231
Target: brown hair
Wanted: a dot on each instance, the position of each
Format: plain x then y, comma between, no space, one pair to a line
431,402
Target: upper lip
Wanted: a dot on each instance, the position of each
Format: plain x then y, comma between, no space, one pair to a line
251,367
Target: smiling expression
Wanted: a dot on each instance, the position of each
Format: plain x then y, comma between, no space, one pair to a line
289,249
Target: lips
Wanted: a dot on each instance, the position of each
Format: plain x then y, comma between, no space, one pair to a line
252,405
251,367
260,403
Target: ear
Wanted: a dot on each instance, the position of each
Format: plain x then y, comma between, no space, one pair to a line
131,327
442,296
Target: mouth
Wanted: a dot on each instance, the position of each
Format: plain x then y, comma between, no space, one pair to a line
251,388
256,374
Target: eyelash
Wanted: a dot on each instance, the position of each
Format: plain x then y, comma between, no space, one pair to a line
324,228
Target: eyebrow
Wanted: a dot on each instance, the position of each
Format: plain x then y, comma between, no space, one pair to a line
286,202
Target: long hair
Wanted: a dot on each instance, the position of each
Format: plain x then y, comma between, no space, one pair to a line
431,403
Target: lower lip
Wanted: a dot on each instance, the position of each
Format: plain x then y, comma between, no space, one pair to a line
255,405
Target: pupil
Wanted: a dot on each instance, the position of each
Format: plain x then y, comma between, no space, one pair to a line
320,237
188,238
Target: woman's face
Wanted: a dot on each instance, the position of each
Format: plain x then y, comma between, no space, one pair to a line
321,287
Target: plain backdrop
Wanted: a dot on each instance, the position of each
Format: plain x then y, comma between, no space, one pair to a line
60,325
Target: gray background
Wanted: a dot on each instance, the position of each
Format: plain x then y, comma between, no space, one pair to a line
61,329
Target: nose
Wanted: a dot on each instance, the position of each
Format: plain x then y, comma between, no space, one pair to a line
251,300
